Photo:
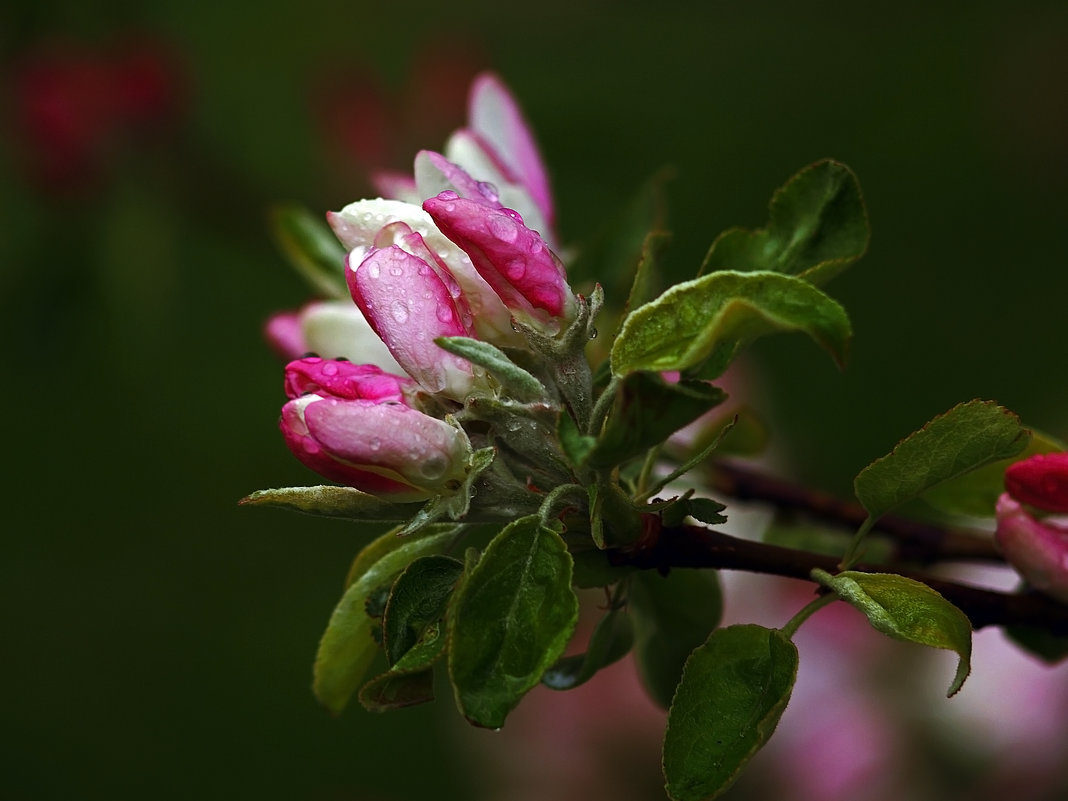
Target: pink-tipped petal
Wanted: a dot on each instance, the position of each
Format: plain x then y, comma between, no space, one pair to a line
337,329
1038,550
513,259
409,306
344,380
284,335
1040,481
494,115
396,186
435,174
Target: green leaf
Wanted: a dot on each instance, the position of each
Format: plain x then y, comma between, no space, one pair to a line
311,247
510,620
646,412
418,600
576,445
611,641
975,494
817,227
520,384
385,544
732,694
409,681
347,647
966,437
644,288
330,501
673,614
907,610
710,318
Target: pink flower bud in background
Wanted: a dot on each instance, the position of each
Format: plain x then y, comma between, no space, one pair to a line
383,448
1036,547
1041,481
344,380
514,260
409,306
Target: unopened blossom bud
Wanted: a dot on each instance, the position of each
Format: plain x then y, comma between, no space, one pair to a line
1037,549
344,380
386,449
409,306
513,259
1040,481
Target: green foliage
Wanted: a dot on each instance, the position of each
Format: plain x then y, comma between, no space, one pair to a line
733,692
348,648
510,620
673,614
311,247
517,381
611,641
647,411
966,437
330,501
700,325
817,227
417,601
907,610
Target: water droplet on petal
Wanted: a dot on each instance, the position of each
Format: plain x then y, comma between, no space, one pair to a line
434,467
329,369
399,311
445,314
373,270
515,269
503,227
448,194
374,443
396,271
488,191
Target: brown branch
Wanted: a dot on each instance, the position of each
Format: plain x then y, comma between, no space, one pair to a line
916,541
694,546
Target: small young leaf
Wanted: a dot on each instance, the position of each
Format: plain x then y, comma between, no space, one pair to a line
377,548
347,647
510,620
409,681
610,642
576,445
311,247
644,287
647,411
521,385
418,599
733,692
710,318
817,226
673,614
968,436
329,501
907,610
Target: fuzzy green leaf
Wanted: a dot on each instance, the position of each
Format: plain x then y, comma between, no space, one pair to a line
966,437
817,227
311,247
348,647
646,412
733,692
673,614
510,620
908,610
700,325
408,681
418,600
330,501
520,384
611,641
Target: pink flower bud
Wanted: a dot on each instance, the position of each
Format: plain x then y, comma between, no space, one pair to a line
409,306
1040,481
344,380
1038,550
514,260
383,448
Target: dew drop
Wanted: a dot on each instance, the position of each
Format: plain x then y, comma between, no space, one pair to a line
515,269
448,194
445,314
396,271
399,311
374,270
593,333
374,443
434,467
503,227
329,369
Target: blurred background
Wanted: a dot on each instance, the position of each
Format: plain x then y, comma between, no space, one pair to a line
157,639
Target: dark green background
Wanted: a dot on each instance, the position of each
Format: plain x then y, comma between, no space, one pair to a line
157,640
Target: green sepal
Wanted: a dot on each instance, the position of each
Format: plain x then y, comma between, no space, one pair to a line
673,614
456,505
331,501
700,325
966,437
733,692
611,640
417,600
347,647
510,620
908,610
576,445
648,410
817,227
311,247
518,383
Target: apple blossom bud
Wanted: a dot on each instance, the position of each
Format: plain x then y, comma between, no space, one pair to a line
409,306
383,448
513,259
1040,481
1038,550
344,380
